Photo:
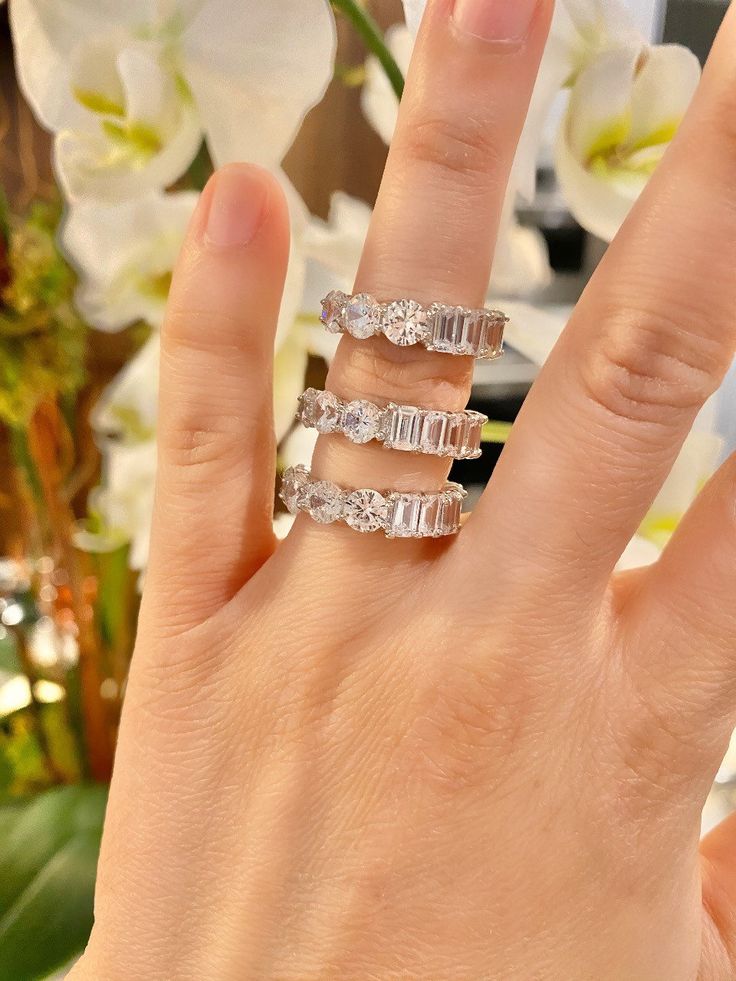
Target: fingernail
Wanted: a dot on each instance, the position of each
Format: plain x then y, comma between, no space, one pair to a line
236,202
495,20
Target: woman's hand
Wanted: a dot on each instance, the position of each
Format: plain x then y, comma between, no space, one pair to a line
352,758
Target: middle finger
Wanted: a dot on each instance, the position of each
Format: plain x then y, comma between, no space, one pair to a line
434,226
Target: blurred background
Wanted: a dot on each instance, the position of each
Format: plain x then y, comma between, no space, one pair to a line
78,348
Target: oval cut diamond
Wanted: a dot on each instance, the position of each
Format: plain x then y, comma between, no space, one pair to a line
292,485
326,412
332,309
362,421
406,323
366,510
362,316
323,500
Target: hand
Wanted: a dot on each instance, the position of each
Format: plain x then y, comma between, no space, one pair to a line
352,758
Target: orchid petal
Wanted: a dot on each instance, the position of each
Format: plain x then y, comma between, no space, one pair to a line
599,204
124,254
662,92
599,113
337,244
639,552
378,100
255,69
602,23
124,500
298,447
413,13
127,411
46,33
532,330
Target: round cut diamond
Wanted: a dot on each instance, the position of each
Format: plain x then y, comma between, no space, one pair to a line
362,422
332,309
366,510
292,484
362,316
406,323
323,500
326,412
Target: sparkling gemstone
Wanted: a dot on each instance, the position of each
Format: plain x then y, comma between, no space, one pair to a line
405,429
457,435
323,500
362,316
306,407
405,515
456,330
450,514
492,336
429,518
292,484
434,430
366,510
332,310
445,327
327,412
406,323
362,421
472,443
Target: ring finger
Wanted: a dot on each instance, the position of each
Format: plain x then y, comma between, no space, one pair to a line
434,226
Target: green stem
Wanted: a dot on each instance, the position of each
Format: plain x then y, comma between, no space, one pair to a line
366,26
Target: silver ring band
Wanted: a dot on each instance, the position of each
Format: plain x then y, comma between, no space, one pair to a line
439,327
398,515
398,427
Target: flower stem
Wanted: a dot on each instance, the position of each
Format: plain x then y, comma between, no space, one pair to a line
366,26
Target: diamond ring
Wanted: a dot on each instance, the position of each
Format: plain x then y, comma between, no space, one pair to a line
439,327
398,515
398,427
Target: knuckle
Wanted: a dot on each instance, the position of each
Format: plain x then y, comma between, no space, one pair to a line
647,365
196,439
375,369
468,726
192,331
656,761
452,147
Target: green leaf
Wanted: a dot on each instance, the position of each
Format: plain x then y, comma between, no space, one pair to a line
48,861
9,660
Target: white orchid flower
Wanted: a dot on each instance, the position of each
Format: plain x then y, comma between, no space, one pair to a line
124,254
624,110
127,411
333,248
379,102
131,89
639,552
123,503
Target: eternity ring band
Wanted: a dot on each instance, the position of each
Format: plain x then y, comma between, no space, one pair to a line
398,515
398,427
448,329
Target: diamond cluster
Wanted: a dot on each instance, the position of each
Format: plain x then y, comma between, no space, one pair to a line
398,515
448,329
400,427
